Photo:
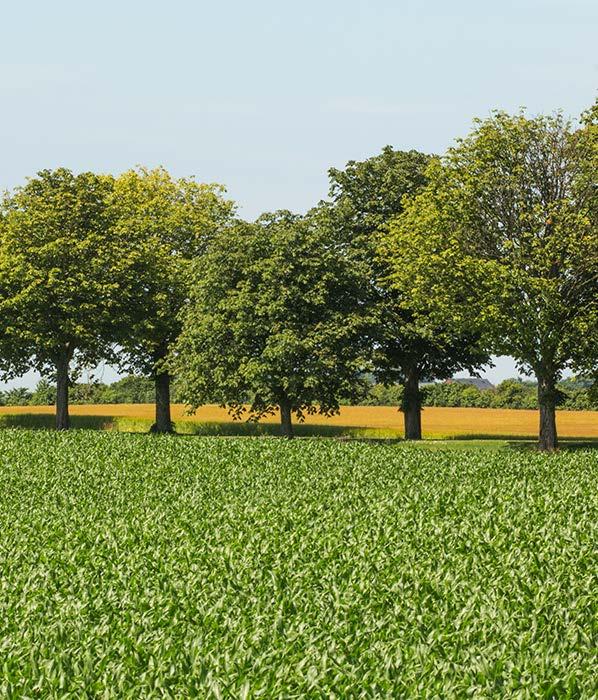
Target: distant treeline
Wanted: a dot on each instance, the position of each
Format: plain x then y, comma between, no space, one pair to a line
574,394
130,389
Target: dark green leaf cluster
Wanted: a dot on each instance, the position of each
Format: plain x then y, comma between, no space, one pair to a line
273,319
368,197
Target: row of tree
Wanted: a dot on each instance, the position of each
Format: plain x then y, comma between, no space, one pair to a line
95,268
416,267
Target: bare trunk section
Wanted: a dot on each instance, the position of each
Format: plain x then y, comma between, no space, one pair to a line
548,440
286,423
163,422
62,391
412,405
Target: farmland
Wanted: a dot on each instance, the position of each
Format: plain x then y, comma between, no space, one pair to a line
366,421
138,566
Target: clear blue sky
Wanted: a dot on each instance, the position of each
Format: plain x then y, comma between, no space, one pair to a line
265,96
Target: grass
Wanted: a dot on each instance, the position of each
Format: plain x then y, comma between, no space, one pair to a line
126,424
382,422
135,566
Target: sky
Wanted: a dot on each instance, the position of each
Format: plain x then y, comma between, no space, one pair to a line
265,96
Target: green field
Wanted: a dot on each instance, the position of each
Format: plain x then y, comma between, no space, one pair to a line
137,566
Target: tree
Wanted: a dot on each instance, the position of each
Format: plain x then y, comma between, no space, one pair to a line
367,197
272,321
130,389
506,233
17,396
44,394
513,393
169,223
61,276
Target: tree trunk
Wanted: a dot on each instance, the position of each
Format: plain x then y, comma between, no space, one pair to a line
163,422
62,392
547,401
412,405
285,419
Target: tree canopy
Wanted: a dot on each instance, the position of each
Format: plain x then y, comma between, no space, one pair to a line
368,197
167,222
272,320
62,276
505,233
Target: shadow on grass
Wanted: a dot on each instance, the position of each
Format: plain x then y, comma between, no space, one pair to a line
568,444
493,442
273,430
522,441
45,421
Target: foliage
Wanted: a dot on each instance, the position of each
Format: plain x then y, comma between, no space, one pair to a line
416,268
61,271
576,394
17,396
272,320
370,193
383,395
585,351
405,348
169,222
63,275
515,394
511,393
505,235
130,389
203,568
44,394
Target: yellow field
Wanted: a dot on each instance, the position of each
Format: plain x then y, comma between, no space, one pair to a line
436,422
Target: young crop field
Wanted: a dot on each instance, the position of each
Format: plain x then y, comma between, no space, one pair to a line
142,566
352,421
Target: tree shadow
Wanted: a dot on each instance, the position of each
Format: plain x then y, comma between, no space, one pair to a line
46,421
388,436
527,442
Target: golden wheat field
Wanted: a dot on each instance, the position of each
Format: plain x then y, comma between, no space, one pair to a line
386,420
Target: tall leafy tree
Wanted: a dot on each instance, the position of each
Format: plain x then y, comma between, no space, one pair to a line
62,272
367,197
168,222
506,233
272,322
